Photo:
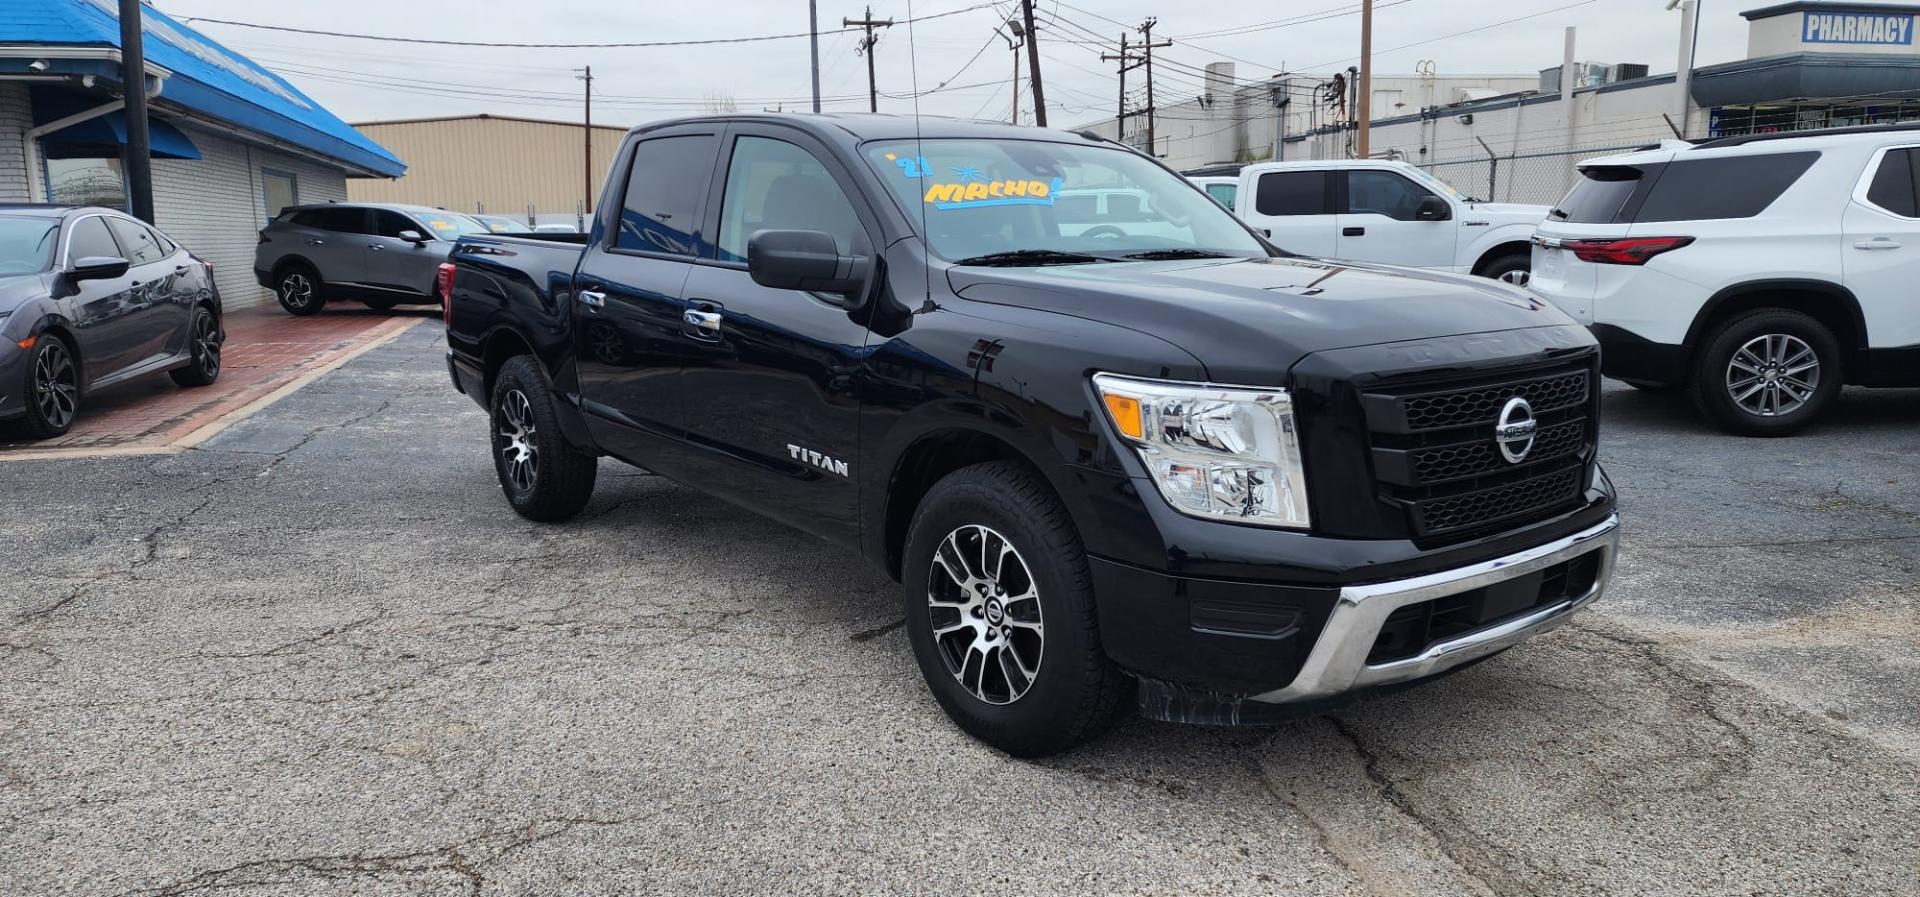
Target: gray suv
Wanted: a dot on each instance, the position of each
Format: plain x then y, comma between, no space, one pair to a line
382,255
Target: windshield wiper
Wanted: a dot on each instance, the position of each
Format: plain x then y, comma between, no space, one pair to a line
1021,257
1159,255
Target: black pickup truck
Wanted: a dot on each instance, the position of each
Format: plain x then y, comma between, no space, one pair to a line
1118,449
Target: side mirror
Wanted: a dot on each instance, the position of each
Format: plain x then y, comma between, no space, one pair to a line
98,267
412,236
1433,208
803,260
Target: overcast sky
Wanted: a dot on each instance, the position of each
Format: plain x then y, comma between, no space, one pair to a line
364,80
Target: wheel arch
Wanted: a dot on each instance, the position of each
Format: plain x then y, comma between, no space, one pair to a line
1500,249
57,326
930,456
500,346
291,260
1831,304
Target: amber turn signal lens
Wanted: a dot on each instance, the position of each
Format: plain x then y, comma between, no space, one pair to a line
28,343
1126,415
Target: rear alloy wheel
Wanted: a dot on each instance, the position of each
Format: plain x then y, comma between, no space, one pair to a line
544,477
1515,268
299,291
1767,373
53,389
1000,613
204,368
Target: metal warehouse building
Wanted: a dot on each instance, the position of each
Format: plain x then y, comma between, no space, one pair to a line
232,143
526,168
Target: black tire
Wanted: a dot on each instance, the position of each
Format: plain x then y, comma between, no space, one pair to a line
1513,268
556,481
1712,381
51,387
380,304
300,290
1075,691
203,342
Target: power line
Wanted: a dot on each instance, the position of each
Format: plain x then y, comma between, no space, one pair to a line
555,46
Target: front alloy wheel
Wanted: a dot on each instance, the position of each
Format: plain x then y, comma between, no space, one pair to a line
56,388
984,607
1773,374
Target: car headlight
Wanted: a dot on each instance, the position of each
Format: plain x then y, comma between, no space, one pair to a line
1218,452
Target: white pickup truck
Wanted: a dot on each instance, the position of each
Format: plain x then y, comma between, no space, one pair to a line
1387,212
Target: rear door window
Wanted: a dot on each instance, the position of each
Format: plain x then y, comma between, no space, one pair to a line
1282,193
1730,187
141,246
666,188
346,221
1895,182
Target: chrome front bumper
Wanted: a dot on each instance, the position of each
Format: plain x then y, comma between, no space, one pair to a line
1338,662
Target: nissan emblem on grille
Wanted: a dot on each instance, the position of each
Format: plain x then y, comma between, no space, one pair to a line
1514,432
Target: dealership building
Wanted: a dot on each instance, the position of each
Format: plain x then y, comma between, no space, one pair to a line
232,143
530,169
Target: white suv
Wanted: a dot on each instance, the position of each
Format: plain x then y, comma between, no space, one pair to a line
1759,273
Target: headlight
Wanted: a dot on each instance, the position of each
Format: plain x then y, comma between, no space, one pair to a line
1218,452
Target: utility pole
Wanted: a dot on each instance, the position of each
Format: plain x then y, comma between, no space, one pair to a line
1683,73
1033,65
586,165
813,36
133,78
1365,88
866,47
1146,47
1127,61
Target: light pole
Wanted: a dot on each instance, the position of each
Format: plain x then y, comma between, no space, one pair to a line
1689,42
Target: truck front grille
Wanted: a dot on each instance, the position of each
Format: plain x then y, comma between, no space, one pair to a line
1434,453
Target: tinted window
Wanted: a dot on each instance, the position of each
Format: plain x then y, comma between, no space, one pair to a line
1292,193
303,218
1599,195
139,243
1384,193
90,239
1894,182
390,224
346,221
1733,187
1223,193
665,188
774,185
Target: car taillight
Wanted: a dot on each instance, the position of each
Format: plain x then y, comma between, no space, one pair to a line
443,287
1626,251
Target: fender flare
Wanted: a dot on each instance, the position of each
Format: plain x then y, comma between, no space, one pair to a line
1849,305
1488,244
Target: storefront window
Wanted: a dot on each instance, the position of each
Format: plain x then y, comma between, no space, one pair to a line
86,182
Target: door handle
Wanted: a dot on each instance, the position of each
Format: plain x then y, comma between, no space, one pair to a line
1353,232
316,242
376,247
708,321
593,298
180,269
1877,243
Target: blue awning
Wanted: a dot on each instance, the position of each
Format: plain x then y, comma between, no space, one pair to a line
105,135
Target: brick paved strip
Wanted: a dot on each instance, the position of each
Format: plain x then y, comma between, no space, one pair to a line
268,356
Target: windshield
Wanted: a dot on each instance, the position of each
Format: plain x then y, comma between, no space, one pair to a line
992,197
449,226
26,245
501,225
1427,178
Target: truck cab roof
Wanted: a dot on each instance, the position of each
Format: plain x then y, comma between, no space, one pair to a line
845,127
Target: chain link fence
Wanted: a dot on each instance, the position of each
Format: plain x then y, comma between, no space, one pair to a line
1539,178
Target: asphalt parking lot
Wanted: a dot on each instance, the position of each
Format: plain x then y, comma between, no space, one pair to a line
317,655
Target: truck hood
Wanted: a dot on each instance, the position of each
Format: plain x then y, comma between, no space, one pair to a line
1250,320
1508,212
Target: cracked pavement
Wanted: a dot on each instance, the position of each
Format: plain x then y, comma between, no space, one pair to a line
319,656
